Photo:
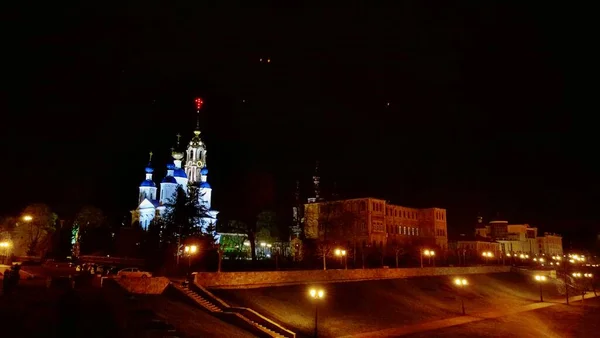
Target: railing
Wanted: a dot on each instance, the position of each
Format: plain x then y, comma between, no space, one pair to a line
113,260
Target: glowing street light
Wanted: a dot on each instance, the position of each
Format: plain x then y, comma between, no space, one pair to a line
591,276
5,245
461,283
27,218
342,255
487,255
540,279
428,253
316,294
189,251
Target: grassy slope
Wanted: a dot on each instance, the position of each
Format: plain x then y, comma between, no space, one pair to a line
557,321
368,306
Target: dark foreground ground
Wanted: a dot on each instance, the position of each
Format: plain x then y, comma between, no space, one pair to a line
360,307
33,310
559,321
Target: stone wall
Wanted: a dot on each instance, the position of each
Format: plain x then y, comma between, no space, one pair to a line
149,286
277,278
533,272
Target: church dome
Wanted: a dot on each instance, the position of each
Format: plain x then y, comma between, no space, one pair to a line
204,171
148,183
177,155
170,166
179,173
205,185
149,169
196,142
169,179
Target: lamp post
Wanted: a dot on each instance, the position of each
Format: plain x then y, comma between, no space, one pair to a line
540,279
461,283
429,254
316,295
342,255
591,277
189,251
6,246
487,255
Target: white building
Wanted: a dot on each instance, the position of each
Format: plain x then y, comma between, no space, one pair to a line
153,203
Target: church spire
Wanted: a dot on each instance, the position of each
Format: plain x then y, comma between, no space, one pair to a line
199,104
148,187
316,185
196,151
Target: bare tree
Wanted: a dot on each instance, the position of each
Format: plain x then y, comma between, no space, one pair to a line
324,250
398,251
33,232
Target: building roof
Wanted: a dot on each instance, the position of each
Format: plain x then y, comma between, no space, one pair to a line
178,172
169,179
471,238
148,183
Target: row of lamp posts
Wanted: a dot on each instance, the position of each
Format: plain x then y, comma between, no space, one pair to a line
317,294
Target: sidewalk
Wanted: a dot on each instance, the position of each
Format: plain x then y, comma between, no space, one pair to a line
454,321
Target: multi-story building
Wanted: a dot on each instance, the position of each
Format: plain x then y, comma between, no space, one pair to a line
477,246
376,222
550,244
519,238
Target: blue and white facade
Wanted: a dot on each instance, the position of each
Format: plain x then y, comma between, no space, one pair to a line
153,203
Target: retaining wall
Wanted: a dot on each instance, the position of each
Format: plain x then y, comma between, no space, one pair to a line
149,286
277,278
533,272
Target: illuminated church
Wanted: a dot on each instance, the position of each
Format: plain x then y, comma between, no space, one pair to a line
153,202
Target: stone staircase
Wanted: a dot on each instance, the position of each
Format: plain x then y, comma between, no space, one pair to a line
242,317
200,300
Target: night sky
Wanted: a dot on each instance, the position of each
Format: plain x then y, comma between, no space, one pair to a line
474,107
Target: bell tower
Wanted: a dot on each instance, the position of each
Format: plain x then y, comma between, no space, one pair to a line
196,151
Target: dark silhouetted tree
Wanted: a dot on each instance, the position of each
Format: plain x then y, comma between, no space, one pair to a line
33,234
93,232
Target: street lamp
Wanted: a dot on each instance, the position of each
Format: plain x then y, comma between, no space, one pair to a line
316,294
461,283
342,255
189,251
487,255
27,218
540,279
428,253
591,276
5,245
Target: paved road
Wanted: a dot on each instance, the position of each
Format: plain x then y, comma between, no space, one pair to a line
559,321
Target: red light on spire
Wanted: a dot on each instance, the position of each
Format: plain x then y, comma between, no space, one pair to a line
199,103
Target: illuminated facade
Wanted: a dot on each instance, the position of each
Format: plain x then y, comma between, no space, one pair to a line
375,222
153,203
520,238
550,244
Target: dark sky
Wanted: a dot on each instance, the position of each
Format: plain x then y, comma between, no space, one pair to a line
491,106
